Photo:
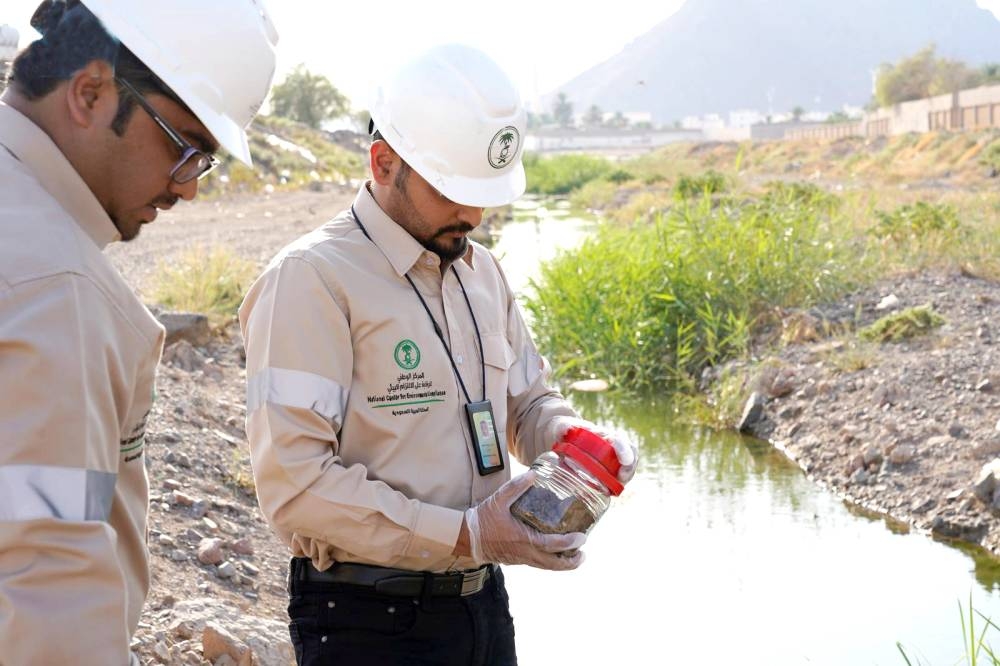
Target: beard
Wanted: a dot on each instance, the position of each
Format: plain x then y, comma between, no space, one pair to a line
446,248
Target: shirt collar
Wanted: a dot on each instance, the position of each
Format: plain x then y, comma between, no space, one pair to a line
31,146
399,247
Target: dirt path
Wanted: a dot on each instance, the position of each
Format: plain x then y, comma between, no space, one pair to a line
253,226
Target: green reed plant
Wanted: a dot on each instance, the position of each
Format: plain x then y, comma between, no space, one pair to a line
976,649
562,174
654,303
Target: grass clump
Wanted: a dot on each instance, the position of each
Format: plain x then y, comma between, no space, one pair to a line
563,174
652,304
207,281
903,325
239,474
916,221
990,157
690,187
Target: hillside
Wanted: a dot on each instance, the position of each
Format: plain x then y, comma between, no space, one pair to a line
290,155
714,56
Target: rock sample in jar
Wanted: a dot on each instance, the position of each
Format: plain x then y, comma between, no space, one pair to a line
574,483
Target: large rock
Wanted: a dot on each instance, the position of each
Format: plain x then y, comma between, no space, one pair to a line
986,482
266,639
902,454
216,642
210,551
184,356
188,326
753,413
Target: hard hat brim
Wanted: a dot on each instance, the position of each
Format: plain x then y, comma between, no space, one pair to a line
478,192
229,135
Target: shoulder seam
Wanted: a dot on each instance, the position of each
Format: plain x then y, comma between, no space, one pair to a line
97,287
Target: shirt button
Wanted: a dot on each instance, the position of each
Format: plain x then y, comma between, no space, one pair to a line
459,359
331,604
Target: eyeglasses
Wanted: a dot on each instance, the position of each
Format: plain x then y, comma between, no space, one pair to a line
194,163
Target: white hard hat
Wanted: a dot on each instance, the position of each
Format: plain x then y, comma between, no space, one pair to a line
455,117
218,56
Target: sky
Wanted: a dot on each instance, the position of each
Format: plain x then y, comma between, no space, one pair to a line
540,43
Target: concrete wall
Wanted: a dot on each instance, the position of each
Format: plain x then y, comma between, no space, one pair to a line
973,109
827,131
726,133
778,131
603,141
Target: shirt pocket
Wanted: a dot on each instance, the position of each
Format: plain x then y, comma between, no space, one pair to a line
497,352
500,359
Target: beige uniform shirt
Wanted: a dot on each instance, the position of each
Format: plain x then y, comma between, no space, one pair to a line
360,446
78,354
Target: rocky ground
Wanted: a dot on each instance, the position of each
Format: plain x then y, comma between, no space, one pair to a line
909,429
900,428
218,594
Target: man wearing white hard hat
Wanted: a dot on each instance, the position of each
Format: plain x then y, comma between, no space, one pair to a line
113,115
378,346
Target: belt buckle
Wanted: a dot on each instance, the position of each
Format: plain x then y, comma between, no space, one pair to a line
473,582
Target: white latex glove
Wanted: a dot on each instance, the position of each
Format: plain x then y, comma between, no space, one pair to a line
495,535
627,452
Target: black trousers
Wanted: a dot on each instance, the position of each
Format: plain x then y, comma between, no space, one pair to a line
343,625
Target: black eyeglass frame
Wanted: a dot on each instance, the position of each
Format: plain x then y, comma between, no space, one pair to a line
206,162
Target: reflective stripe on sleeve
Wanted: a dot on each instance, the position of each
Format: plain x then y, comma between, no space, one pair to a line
294,388
33,492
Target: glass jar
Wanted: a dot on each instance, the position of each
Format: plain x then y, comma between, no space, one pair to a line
574,483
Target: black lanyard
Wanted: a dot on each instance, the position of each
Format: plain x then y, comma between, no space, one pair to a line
437,329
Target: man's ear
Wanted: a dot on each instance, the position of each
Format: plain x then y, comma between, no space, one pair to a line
384,162
92,95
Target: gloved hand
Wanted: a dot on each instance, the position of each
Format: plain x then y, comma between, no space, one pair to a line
495,535
627,452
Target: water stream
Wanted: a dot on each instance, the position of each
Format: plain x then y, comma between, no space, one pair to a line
720,551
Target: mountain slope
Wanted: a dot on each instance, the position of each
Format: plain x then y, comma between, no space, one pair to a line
715,56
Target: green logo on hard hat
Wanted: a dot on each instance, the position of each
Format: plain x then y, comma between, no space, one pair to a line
407,354
503,148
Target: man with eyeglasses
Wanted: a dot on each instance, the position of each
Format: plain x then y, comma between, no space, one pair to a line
113,115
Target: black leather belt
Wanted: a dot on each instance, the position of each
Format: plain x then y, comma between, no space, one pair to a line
394,582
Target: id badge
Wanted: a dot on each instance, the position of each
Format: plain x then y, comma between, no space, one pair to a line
485,442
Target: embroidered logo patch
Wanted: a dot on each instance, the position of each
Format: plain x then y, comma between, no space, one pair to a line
407,354
504,147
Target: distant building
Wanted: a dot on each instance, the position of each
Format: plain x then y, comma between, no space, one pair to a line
815,117
745,118
8,49
706,122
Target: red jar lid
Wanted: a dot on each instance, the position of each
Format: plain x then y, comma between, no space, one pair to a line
595,454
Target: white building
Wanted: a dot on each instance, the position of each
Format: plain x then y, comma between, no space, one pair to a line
708,121
745,118
8,42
